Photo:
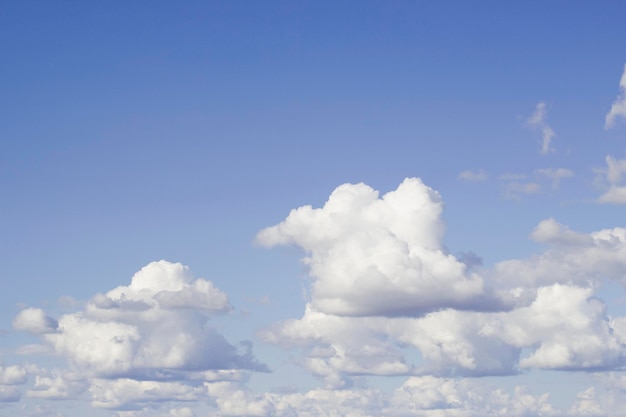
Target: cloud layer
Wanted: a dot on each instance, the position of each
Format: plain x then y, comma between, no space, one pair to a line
385,299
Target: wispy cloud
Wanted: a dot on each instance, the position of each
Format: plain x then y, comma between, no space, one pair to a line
555,175
473,176
538,121
618,109
515,189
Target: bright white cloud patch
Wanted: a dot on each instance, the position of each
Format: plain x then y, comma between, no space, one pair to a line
380,256
582,259
386,299
133,343
538,121
618,109
554,320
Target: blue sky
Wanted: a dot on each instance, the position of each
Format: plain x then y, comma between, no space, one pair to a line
149,131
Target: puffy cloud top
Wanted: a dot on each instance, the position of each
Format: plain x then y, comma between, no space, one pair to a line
154,328
160,286
380,256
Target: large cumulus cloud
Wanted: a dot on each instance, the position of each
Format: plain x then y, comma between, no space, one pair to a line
149,338
387,299
371,256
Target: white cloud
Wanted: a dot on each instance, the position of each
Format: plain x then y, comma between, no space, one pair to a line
120,392
613,175
141,341
455,343
380,256
35,321
552,232
13,375
10,378
442,397
473,176
538,122
616,169
555,175
572,258
58,386
514,189
614,195
566,327
556,322
618,109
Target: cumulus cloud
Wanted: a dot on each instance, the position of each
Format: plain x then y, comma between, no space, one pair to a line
135,342
612,179
119,392
582,259
337,347
57,386
618,109
566,327
13,375
428,396
380,256
35,321
538,121
386,299
473,176
552,232
10,378
553,320
424,396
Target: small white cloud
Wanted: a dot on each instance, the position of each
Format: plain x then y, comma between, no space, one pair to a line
612,179
618,109
550,231
35,321
616,169
555,175
538,122
614,195
13,375
514,189
473,176
52,386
